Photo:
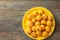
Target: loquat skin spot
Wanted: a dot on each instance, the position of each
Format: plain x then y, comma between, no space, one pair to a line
33,34
44,16
38,33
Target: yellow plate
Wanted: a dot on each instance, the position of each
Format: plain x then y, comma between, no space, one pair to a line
24,21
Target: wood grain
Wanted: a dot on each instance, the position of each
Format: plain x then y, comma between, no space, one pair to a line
14,35
25,5
11,15
12,20
18,15
29,0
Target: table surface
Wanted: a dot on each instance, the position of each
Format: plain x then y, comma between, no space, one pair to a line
12,12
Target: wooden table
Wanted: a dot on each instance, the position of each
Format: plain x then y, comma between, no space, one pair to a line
12,12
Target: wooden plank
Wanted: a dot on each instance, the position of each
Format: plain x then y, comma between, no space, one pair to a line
7,25
12,20
18,15
55,36
29,0
11,15
13,35
10,36
25,5
22,36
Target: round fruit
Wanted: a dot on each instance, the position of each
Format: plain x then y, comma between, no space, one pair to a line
44,16
38,28
29,24
33,19
48,29
34,13
49,23
40,12
38,33
33,34
33,28
42,27
50,17
38,17
43,22
44,34
29,16
28,30
37,23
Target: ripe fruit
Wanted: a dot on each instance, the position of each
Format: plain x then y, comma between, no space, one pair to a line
44,16
38,17
28,30
40,12
48,29
50,17
37,23
34,19
29,16
33,28
38,28
38,33
34,13
33,34
43,22
44,34
42,27
49,23
29,24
